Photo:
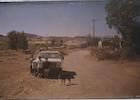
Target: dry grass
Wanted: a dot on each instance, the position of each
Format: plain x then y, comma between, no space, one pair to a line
3,43
63,51
103,54
8,52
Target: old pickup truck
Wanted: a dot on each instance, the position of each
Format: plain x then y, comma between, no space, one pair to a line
54,63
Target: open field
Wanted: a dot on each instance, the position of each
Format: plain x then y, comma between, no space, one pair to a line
95,79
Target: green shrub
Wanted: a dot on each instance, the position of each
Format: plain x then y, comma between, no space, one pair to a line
17,40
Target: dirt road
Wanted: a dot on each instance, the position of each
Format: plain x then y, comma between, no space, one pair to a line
95,79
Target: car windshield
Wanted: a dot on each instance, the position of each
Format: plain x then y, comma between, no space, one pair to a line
50,55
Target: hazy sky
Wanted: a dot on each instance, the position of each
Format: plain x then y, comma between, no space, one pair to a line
54,18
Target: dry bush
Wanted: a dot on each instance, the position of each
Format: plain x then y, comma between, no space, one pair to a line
3,43
102,54
128,54
93,51
37,47
63,51
4,53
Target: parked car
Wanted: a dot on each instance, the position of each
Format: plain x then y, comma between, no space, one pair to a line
54,63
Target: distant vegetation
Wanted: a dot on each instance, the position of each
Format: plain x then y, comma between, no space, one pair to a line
92,41
55,42
124,16
17,40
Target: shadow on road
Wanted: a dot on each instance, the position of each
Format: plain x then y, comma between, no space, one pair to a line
63,75
60,75
72,84
66,74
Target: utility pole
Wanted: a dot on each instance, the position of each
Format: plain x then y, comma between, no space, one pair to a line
93,22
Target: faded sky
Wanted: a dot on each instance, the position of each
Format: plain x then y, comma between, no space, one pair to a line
54,18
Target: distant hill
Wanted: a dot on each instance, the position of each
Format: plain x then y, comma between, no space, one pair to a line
29,35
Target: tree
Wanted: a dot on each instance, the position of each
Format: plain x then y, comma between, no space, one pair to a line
12,39
124,16
17,40
22,41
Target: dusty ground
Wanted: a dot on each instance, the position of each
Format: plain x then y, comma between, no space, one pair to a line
95,79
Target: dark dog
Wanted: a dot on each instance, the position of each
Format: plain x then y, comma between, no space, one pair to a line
66,75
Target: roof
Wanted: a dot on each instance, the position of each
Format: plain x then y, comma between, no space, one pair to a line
48,51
